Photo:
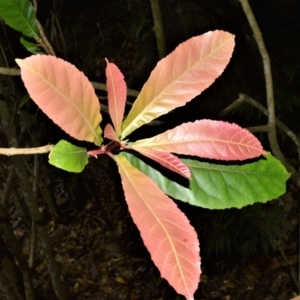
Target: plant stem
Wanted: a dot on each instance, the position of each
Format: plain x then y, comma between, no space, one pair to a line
269,89
20,151
158,28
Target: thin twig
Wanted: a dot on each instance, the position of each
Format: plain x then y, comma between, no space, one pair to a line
44,41
268,78
158,28
19,151
245,98
270,98
34,5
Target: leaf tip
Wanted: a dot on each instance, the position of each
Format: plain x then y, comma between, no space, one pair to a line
18,61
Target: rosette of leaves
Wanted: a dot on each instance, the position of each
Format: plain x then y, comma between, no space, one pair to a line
67,97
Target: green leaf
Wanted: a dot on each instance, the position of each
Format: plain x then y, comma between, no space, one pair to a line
68,157
19,15
23,101
219,187
171,188
31,46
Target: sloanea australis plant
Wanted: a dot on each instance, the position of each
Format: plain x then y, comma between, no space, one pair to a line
66,96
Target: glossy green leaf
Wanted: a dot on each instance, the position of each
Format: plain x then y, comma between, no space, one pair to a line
19,15
219,187
171,188
68,157
31,46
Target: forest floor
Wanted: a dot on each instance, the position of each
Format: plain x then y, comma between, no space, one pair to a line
102,256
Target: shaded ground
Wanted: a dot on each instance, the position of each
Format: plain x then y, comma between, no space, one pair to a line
102,255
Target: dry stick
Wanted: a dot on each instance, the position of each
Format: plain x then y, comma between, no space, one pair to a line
245,98
269,90
34,5
43,41
270,98
158,28
20,151
268,78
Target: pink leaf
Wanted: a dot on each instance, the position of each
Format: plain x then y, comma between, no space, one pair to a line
166,159
116,89
190,69
166,231
64,94
207,138
110,133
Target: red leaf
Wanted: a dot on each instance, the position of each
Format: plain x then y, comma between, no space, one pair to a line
116,90
190,69
110,133
64,94
166,231
166,159
207,138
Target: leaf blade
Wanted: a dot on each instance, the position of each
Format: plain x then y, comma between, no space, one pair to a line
191,68
220,187
166,232
64,94
166,159
68,157
208,139
208,188
20,15
116,90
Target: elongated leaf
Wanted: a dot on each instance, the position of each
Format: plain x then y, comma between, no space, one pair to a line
166,159
220,187
64,94
190,69
19,15
116,90
110,133
68,157
166,232
207,138
173,189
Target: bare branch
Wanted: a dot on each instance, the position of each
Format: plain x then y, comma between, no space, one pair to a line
158,28
269,89
245,98
19,151
268,78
